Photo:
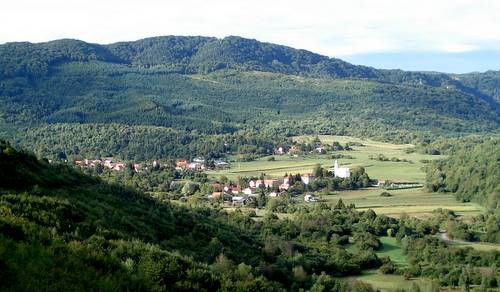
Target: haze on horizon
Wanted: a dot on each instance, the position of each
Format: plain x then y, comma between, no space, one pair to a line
453,36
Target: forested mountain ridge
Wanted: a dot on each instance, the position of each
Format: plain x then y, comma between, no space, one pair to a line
487,83
177,54
224,86
196,54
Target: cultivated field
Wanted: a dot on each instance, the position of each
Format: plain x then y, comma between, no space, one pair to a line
382,282
360,157
415,202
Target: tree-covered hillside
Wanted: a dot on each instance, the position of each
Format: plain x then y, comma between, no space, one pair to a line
224,86
60,229
472,172
487,83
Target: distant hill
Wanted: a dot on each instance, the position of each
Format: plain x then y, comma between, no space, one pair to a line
222,86
488,83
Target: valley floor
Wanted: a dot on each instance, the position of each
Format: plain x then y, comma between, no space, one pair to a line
415,202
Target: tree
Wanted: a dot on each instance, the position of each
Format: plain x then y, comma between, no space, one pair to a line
261,199
340,205
318,171
222,265
189,188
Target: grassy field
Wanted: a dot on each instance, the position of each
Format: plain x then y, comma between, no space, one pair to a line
283,164
482,246
415,202
392,282
390,248
360,157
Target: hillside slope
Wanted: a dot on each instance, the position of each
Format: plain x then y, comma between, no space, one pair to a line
60,230
222,86
471,172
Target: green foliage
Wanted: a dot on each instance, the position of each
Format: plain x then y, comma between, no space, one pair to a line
167,92
488,83
471,172
452,266
54,218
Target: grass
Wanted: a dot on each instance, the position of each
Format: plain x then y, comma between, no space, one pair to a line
390,248
481,246
387,170
391,282
282,164
415,202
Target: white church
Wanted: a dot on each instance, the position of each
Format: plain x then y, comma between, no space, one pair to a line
342,172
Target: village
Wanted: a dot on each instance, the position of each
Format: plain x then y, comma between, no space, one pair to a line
247,189
197,164
235,194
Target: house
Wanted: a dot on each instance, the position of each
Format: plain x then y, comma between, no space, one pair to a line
156,163
248,191
284,186
108,163
137,167
320,150
182,164
216,195
221,164
307,178
293,150
342,172
267,183
279,151
195,166
233,189
96,162
237,200
118,166
310,198
199,160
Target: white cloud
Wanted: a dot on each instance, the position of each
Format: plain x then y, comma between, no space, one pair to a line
335,28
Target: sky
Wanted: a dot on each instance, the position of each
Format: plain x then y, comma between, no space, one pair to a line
433,35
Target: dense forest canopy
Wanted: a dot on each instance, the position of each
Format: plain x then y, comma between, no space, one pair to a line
471,172
192,86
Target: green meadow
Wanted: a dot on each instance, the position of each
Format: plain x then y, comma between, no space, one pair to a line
415,202
390,248
388,170
382,282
